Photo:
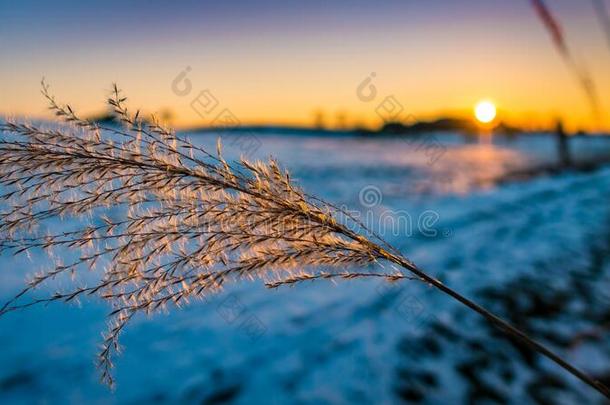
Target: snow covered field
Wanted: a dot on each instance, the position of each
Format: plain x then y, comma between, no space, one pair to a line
535,251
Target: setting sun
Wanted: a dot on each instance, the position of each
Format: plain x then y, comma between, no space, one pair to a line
485,111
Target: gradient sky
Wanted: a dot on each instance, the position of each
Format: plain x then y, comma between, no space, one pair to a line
281,61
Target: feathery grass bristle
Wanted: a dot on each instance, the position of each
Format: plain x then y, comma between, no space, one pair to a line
191,222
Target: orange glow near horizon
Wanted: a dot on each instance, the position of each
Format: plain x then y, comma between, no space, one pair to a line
294,97
291,102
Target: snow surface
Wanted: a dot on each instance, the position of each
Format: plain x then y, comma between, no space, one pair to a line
535,251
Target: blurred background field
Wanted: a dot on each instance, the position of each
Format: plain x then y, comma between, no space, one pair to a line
535,250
